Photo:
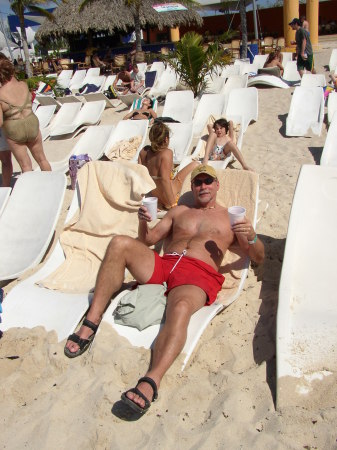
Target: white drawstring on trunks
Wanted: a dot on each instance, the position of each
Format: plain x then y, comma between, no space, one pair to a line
183,253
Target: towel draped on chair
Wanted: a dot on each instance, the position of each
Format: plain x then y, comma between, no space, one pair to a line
111,194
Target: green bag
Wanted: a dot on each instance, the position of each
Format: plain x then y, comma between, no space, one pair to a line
142,307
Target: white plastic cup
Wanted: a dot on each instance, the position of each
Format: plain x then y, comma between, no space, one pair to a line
151,204
236,214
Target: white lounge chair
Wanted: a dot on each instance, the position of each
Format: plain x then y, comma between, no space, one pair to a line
70,99
242,106
259,60
199,153
209,104
47,100
333,60
90,114
28,222
290,72
180,140
77,78
215,85
306,338
306,111
97,81
245,183
4,196
332,105
167,82
30,305
126,129
159,66
92,142
66,114
45,114
63,79
249,69
230,70
267,80
142,67
310,79
329,154
179,105
287,56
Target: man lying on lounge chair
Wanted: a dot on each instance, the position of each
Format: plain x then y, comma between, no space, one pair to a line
195,241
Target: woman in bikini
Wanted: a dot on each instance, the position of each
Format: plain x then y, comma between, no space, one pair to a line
220,143
158,158
274,60
19,124
144,113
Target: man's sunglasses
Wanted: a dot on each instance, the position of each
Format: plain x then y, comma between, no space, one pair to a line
201,181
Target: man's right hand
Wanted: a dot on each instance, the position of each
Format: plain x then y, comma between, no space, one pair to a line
143,214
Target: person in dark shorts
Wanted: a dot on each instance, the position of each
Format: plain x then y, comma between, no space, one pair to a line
195,241
304,52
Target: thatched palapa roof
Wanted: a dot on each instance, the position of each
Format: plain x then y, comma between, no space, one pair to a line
111,15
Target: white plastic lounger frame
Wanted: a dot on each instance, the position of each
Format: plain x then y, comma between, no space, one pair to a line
332,105
333,60
209,104
267,80
179,105
46,100
45,114
329,154
92,142
287,56
233,69
259,60
63,80
167,82
99,96
77,78
159,66
310,79
54,310
28,222
306,339
69,99
306,111
198,323
218,165
242,103
4,196
180,140
215,85
90,114
126,129
290,72
66,114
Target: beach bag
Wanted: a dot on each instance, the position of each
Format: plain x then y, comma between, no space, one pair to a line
75,163
142,307
111,93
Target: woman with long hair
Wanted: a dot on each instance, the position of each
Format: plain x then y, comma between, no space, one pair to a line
158,158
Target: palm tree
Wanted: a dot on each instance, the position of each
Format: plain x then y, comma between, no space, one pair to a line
19,7
194,64
244,32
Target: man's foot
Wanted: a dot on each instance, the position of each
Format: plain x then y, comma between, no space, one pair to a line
78,343
139,397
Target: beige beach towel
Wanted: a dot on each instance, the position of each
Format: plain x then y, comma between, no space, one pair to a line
111,194
125,149
237,187
204,134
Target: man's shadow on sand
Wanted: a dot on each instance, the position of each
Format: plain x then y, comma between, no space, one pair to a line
264,343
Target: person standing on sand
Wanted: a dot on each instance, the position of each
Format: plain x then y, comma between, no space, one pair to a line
196,239
304,52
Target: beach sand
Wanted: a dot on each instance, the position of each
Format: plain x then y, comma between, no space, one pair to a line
225,398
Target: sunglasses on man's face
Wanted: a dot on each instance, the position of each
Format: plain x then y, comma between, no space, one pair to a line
201,181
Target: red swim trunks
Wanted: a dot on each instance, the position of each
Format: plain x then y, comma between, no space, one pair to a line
187,271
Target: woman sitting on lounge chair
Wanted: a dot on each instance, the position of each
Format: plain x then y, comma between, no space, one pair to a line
158,158
220,143
19,124
144,113
273,60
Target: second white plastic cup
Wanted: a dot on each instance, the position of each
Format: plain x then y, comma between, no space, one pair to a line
236,214
151,204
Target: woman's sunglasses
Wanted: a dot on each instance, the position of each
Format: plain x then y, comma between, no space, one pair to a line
207,181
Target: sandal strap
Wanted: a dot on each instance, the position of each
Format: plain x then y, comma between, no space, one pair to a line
90,325
152,383
140,394
75,338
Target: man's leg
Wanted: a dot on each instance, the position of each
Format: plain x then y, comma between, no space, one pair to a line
182,302
122,252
